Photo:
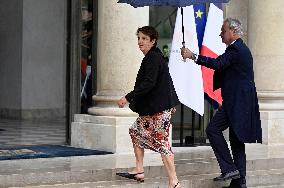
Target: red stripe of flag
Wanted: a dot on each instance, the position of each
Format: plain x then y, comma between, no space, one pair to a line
207,75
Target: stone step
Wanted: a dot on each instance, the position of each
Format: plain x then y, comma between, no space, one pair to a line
269,186
266,178
190,162
184,168
260,178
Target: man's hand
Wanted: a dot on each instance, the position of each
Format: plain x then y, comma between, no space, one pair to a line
186,53
122,102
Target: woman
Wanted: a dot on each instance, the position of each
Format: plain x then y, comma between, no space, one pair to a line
154,99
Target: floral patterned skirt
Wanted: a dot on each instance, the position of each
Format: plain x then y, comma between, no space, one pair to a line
152,132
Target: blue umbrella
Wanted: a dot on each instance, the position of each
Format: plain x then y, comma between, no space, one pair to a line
176,3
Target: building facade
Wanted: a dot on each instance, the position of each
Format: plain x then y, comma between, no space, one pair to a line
258,18
67,63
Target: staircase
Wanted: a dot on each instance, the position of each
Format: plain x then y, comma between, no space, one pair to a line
195,167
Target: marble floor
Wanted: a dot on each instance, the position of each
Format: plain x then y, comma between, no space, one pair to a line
24,132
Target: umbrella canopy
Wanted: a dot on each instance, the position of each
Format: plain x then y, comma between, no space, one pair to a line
177,3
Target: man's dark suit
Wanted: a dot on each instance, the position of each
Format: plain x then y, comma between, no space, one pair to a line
240,111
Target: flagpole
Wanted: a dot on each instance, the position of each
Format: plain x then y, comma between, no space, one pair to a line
192,127
181,124
182,106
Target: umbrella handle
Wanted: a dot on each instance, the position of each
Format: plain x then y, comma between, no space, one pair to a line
182,27
183,46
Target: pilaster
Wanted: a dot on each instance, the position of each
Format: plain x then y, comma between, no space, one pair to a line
265,32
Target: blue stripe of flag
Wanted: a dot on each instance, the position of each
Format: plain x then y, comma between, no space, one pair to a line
200,21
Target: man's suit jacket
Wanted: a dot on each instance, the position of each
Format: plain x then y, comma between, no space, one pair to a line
234,75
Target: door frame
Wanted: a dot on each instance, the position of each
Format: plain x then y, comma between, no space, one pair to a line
73,66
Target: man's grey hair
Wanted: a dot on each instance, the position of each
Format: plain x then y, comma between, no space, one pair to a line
236,25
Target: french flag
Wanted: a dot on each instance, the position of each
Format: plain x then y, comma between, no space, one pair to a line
212,46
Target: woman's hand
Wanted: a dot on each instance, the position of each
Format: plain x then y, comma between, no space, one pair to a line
122,102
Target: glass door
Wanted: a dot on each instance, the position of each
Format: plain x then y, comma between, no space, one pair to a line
86,57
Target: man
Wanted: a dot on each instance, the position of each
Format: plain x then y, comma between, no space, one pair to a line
166,52
239,111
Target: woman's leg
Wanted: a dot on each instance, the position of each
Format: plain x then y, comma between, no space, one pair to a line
139,155
135,132
168,161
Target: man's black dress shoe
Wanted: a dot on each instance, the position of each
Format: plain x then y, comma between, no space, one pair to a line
229,175
237,183
131,176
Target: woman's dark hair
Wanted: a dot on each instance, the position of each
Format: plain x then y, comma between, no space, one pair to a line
149,31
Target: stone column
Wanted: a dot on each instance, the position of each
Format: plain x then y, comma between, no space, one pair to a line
238,9
118,61
118,57
266,41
